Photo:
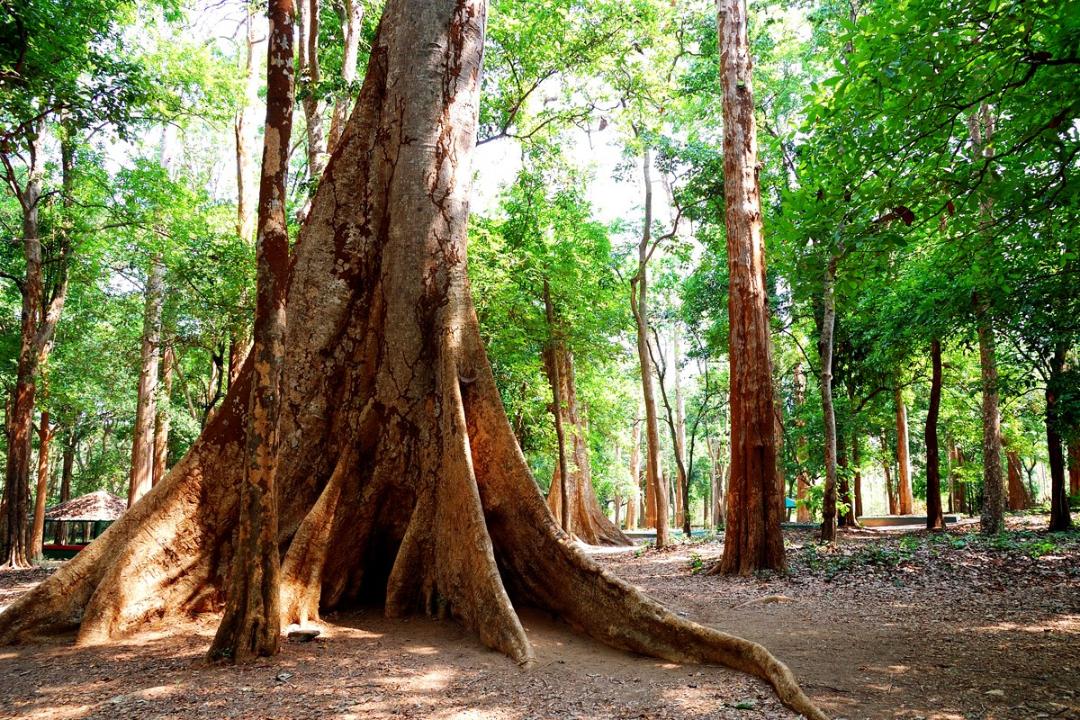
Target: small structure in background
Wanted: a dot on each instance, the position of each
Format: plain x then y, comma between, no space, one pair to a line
71,525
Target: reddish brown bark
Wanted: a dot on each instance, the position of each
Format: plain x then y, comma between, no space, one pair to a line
37,531
934,517
634,500
1018,496
752,538
40,313
393,440
250,626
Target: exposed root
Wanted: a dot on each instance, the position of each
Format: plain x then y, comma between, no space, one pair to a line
302,568
550,571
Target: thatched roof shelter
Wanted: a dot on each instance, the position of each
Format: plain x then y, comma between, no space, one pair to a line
96,506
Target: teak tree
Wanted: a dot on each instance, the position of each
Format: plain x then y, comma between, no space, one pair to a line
393,442
752,539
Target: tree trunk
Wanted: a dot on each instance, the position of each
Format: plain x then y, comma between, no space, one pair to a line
635,474
959,489
1074,467
934,517
981,129
309,79
1060,519
352,21
680,439
846,504
162,421
856,478
890,489
753,540
38,530
903,457
393,441
802,456
244,130
38,326
656,497
250,626
993,508
825,353
141,475
574,501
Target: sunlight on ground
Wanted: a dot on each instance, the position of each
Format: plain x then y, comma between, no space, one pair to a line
1065,623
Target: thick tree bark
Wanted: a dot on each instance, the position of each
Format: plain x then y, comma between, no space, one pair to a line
141,474
825,354
752,538
162,420
37,531
250,626
393,440
903,457
934,516
656,495
1060,518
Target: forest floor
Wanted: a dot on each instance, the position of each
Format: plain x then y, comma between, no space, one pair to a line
880,625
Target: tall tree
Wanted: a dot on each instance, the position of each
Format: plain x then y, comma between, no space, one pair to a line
394,438
752,539
903,456
251,624
934,517
141,476
45,434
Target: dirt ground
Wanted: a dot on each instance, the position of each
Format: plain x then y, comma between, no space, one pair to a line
881,625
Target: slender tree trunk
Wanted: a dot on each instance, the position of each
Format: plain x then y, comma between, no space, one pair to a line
563,474
846,504
981,129
66,473
1074,467
38,326
309,18
162,421
753,540
141,475
656,497
38,531
352,20
903,457
251,624
680,438
1060,519
890,489
934,517
802,456
856,477
634,500
825,353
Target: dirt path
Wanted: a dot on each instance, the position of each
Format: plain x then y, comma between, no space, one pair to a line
881,627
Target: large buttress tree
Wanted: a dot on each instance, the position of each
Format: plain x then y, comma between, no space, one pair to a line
394,448
752,539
